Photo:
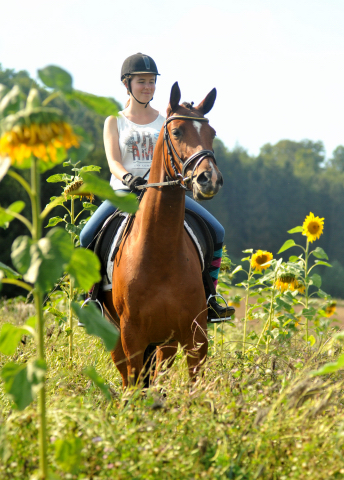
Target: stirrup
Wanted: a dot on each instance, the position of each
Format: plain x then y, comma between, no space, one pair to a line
219,319
85,303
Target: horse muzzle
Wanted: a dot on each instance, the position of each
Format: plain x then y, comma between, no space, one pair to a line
207,184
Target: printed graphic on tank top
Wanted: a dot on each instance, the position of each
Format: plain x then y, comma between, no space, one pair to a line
141,146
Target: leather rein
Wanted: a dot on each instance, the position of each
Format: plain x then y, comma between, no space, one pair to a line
199,156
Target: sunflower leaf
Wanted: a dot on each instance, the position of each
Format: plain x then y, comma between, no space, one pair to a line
8,271
249,250
57,78
295,230
60,177
84,267
293,259
54,221
322,294
101,105
5,163
5,213
93,184
89,206
288,244
318,262
237,269
10,336
98,381
316,280
330,367
319,253
96,324
90,168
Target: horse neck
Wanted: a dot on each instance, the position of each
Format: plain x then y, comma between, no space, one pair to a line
163,208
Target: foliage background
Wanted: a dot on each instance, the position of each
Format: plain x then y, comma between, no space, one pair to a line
262,194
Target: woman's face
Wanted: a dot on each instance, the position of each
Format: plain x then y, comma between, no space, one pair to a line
143,86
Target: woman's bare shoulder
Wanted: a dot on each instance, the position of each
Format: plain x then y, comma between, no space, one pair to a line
110,122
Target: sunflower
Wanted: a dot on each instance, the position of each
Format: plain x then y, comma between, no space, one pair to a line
330,309
299,286
312,227
261,260
286,281
73,187
39,139
234,304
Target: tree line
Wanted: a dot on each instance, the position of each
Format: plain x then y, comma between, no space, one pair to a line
263,196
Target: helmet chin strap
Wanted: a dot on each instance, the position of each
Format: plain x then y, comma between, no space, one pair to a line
138,101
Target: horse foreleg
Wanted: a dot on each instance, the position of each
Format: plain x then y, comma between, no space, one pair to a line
120,360
134,349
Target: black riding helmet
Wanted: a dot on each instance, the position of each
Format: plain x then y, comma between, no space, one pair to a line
135,64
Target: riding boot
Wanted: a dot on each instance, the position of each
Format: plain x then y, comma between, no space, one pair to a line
216,312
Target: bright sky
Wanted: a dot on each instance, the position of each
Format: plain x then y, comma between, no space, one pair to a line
277,65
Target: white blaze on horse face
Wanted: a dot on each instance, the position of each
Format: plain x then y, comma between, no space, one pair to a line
198,126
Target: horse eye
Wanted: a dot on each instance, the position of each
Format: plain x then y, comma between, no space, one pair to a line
176,132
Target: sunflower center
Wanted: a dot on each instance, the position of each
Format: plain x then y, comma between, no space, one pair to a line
313,227
289,278
262,259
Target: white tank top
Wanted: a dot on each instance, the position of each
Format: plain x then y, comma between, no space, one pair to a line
136,143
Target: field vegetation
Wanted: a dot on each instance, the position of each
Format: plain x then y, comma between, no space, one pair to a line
269,401
248,417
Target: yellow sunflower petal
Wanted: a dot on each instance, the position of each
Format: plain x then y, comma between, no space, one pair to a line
312,227
261,260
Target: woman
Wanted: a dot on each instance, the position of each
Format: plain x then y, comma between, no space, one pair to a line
129,144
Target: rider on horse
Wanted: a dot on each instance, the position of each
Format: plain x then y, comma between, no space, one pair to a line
129,143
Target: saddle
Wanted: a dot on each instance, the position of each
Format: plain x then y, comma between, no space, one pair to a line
108,240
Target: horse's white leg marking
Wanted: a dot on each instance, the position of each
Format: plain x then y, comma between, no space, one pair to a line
197,125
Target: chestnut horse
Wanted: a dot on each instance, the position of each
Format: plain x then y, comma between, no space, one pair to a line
157,290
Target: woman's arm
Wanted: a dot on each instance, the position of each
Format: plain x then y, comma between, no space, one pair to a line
111,143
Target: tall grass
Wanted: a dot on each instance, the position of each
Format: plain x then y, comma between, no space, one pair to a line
265,417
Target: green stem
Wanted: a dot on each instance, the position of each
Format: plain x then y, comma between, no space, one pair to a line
19,283
21,180
70,322
36,235
51,97
53,204
307,285
19,217
271,313
78,215
70,313
246,308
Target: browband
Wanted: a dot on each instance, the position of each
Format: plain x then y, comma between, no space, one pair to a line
185,117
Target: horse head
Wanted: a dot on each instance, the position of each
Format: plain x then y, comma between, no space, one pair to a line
189,139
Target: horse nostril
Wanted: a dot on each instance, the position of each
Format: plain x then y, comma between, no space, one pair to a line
219,179
204,178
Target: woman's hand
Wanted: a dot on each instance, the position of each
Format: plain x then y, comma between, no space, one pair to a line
132,182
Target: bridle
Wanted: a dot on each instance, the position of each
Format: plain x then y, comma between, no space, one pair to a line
199,156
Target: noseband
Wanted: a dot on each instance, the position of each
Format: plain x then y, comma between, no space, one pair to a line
200,156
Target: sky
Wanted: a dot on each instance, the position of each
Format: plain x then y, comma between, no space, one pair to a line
277,65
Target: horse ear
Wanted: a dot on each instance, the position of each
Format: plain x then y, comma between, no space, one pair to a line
207,104
174,98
